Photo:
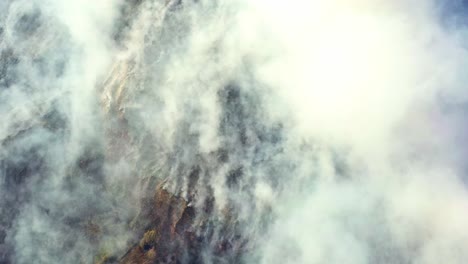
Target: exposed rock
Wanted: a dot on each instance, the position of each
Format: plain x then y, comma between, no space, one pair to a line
176,235
163,241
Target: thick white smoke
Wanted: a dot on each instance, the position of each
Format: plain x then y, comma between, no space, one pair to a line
324,131
370,77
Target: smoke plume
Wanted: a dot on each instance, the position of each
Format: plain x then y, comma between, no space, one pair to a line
316,131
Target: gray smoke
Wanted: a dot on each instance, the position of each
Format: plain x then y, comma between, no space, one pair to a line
320,131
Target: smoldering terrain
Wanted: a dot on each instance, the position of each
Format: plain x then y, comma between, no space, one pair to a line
169,131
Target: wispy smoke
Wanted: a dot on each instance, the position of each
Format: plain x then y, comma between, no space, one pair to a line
318,131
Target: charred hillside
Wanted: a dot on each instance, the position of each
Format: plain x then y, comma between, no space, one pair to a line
201,131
